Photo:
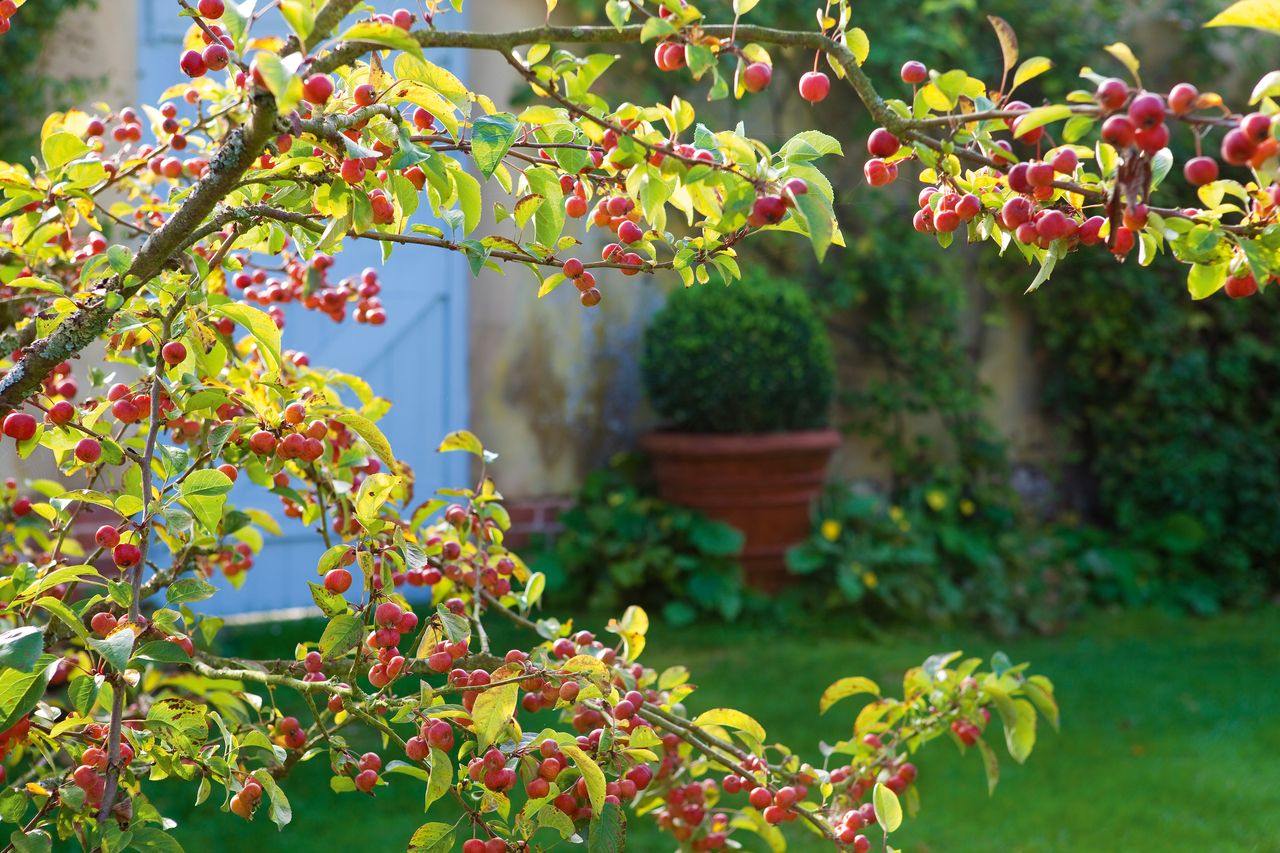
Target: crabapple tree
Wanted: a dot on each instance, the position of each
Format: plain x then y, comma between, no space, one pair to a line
173,234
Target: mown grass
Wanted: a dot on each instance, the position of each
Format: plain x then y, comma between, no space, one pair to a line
1170,739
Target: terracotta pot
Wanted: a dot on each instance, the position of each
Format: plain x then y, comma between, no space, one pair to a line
764,485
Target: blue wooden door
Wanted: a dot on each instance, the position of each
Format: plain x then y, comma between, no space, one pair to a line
417,359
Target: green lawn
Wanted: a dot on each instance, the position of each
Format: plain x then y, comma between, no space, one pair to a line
1170,740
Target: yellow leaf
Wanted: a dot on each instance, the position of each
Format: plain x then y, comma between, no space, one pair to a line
732,718
1029,70
1121,51
461,440
495,707
844,688
590,771
1259,14
1008,41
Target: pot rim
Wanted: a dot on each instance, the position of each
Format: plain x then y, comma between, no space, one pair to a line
707,443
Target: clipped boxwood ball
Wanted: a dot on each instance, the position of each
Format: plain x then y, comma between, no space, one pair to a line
752,357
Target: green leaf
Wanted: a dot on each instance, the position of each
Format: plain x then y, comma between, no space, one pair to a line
120,258
187,590
1258,14
20,691
1021,736
491,138
608,828
82,691
281,813
261,326
385,35
441,776
819,220
549,217
59,149
990,764
153,840
1041,116
656,27
859,45
432,838
162,651
461,440
20,648
340,636
35,841
30,282
1204,280
209,482
114,649
57,608
888,809
330,603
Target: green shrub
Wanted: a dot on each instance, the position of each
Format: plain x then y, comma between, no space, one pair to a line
936,555
753,357
620,544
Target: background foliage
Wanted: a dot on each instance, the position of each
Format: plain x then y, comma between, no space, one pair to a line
25,93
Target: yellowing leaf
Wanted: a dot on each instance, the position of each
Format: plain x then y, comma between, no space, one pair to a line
261,326
461,440
495,707
844,688
732,718
589,770
1008,41
1029,70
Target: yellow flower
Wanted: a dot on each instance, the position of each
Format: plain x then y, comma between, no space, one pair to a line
831,530
869,580
895,513
967,507
936,499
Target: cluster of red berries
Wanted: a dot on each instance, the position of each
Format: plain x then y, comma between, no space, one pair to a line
218,45
432,733
245,801
444,653
967,731
89,774
11,737
230,561
19,505
289,733
60,383
770,209
8,8
391,622
300,441
307,284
